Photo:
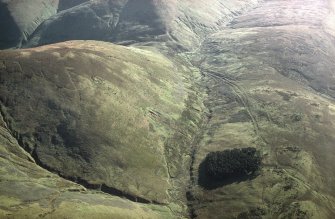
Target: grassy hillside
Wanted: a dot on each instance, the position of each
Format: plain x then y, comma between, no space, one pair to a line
28,191
271,87
98,114
127,128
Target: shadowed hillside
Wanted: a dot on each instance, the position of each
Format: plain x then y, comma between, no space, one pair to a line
25,16
138,21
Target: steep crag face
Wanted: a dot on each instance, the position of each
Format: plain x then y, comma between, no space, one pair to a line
92,129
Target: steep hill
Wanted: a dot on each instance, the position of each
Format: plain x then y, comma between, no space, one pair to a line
97,114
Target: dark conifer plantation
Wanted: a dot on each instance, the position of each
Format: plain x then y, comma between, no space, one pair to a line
232,163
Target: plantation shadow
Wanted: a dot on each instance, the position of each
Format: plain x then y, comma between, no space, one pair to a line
208,183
